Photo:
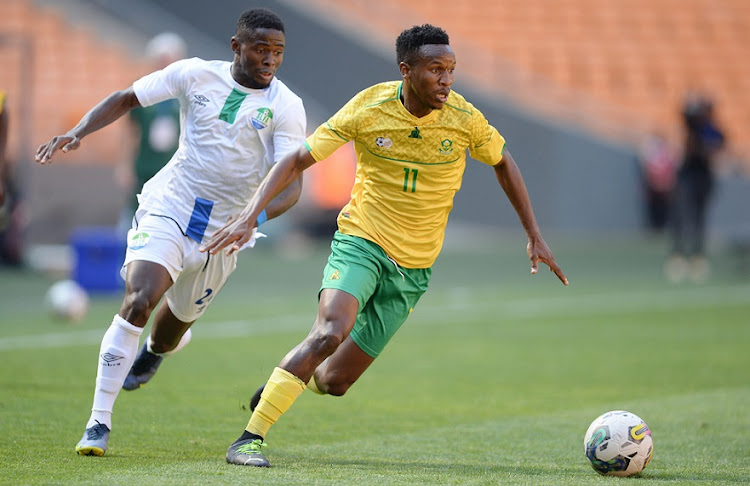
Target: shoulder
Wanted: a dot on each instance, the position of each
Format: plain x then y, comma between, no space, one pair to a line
196,66
378,94
458,104
283,93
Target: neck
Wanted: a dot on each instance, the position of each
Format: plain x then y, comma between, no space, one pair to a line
412,104
242,78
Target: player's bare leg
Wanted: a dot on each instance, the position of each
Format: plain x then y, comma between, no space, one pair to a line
145,284
168,335
340,370
337,311
336,374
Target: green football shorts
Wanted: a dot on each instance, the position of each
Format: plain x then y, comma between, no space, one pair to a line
386,292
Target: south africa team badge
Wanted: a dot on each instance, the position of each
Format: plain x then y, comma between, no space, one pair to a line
446,146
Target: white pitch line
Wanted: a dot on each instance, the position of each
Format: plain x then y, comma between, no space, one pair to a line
432,314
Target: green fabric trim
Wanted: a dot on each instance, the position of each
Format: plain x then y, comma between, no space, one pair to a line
337,133
232,106
398,97
459,109
485,143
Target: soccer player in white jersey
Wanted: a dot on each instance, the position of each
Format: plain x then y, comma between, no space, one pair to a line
237,121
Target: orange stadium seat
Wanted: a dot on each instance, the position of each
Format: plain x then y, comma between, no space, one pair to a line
70,70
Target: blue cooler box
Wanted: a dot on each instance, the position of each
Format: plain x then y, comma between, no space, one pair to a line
99,253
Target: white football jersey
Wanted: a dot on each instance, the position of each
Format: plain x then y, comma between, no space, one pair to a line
230,137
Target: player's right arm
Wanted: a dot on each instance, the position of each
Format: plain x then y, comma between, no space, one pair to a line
105,112
239,231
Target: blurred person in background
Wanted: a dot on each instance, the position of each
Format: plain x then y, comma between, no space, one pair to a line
156,129
10,200
238,121
659,168
694,186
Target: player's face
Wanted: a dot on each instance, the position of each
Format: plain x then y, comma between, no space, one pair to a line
430,78
257,56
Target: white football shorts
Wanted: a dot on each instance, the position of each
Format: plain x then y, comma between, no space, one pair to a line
197,277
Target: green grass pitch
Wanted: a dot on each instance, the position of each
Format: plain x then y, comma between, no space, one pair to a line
493,380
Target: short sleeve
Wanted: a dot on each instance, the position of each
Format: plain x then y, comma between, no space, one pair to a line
487,144
339,129
162,85
289,132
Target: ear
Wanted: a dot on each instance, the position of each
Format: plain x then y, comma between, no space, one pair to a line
235,45
404,69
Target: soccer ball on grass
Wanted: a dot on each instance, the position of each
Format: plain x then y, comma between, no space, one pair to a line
618,443
67,300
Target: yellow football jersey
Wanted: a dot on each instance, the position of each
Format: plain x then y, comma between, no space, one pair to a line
408,168
2,100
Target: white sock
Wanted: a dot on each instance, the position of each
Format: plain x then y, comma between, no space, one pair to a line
116,356
184,340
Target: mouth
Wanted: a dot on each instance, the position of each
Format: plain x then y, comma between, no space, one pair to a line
267,75
442,96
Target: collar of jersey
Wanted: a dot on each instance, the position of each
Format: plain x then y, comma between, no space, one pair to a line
245,89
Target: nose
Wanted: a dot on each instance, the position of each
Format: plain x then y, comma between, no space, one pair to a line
447,78
269,59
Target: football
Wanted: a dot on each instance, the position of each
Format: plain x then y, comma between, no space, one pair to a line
618,443
67,300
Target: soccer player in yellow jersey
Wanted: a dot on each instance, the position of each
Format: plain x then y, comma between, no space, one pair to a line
411,138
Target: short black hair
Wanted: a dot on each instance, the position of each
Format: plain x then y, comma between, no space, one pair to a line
258,18
410,40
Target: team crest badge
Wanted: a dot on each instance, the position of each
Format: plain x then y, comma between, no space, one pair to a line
138,240
446,146
384,142
262,118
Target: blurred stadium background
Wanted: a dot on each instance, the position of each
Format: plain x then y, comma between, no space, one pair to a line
574,85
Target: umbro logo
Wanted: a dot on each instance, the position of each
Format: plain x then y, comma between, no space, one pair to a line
200,100
111,359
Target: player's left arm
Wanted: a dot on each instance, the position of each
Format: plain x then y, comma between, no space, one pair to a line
509,176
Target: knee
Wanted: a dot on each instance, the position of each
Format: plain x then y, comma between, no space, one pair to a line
136,308
333,383
161,348
324,342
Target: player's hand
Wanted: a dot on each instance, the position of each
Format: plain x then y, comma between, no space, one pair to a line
46,150
538,251
236,232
